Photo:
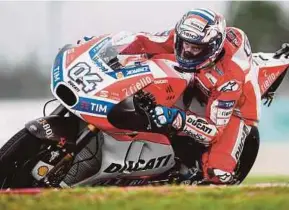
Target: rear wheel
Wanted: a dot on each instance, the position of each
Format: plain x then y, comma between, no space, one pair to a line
16,160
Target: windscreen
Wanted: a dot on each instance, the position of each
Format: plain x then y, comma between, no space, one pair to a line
109,53
115,50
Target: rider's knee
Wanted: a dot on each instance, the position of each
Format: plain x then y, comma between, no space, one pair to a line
218,176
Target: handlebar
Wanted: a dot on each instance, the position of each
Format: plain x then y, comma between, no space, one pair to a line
144,102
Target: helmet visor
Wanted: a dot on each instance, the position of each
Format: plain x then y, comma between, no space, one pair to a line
189,51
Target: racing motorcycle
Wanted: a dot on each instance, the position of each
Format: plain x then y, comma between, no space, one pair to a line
101,132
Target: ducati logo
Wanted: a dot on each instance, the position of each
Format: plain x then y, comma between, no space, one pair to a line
141,165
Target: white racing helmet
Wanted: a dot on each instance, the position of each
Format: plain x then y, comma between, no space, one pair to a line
199,38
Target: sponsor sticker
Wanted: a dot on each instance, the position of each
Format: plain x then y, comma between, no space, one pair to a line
57,71
133,88
224,113
93,106
232,38
199,124
222,122
140,165
81,74
119,75
46,126
229,86
196,22
161,81
126,72
98,46
40,170
226,104
189,35
240,143
268,81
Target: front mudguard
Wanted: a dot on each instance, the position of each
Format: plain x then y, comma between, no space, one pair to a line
55,129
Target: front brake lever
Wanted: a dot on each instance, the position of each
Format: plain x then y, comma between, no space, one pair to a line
144,102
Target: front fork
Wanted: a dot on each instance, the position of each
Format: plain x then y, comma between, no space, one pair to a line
63,164
83,139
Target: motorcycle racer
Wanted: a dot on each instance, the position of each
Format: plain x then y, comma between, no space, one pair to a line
225,80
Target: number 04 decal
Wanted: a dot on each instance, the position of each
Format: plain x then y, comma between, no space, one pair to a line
80,73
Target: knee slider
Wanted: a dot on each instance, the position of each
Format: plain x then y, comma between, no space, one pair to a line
222,176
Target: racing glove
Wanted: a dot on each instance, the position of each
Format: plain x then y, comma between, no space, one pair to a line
175,120
168,117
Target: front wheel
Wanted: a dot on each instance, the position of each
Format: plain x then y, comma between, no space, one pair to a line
15,160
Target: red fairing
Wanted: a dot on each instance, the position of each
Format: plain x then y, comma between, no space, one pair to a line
268,75
166,89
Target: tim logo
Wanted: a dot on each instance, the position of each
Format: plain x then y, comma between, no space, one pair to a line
93,106
226,104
